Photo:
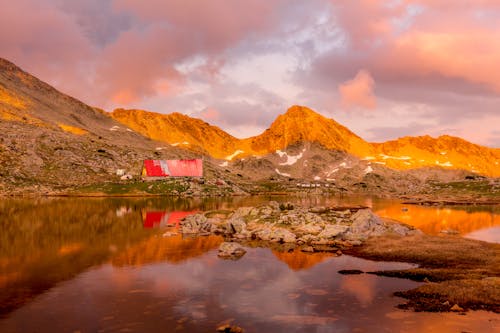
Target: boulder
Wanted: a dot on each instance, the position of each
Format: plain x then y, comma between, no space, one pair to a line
365,224
309,229
283,235
236,225
231,250
332,231
194,224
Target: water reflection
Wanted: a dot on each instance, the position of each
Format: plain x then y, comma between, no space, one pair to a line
433,220
256,292
44,242
161,219
172,249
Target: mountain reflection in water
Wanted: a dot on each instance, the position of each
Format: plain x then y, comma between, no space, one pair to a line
113,250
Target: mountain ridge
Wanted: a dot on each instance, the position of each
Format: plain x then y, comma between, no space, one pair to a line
301,124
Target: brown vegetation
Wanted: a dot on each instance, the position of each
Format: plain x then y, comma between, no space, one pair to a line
457,270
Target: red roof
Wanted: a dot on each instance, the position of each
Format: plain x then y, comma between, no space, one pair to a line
173,168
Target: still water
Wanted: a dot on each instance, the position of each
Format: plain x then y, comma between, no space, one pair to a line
101,265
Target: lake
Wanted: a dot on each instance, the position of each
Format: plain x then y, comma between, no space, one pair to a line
101,265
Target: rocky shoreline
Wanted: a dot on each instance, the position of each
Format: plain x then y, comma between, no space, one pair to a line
318,229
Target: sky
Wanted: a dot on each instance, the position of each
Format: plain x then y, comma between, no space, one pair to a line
384,69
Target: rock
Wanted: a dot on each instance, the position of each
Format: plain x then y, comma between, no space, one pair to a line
306,239
275,206
365,224
283,235
456,308
309,229
169,234
236,225
318,210
264,234
194,224
333,230
350,272
309,249
231,250
243,211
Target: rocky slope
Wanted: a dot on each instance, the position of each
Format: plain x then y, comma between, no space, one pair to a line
52,140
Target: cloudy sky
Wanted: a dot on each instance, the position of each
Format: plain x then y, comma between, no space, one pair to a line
384,69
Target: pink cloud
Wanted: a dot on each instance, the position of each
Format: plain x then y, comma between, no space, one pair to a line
210,114
358,92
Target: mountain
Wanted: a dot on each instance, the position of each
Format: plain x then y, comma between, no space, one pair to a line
300,125
50,139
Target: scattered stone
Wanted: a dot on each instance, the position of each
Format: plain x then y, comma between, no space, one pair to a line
231,250
456,308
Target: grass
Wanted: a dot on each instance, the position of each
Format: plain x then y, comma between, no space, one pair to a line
136,187
458,270
481,188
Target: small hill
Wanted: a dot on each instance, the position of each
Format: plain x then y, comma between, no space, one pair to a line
179,130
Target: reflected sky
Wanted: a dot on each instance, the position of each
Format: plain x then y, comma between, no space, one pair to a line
257,292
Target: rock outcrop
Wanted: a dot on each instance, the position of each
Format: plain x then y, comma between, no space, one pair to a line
315,229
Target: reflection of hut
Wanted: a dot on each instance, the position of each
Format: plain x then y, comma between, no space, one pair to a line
160,169
159,219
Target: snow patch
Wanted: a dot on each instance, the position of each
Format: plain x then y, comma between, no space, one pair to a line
386,157
282,173
343,164
280,153
445,164
175,144
407,163
233,155
185,143
160,148
443,153
129,130
332,172
368,158
224,164
368,169
383,163
317,178
114,128
291,160
330,179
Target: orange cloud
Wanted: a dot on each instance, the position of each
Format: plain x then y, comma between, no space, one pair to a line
358,91
471,55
